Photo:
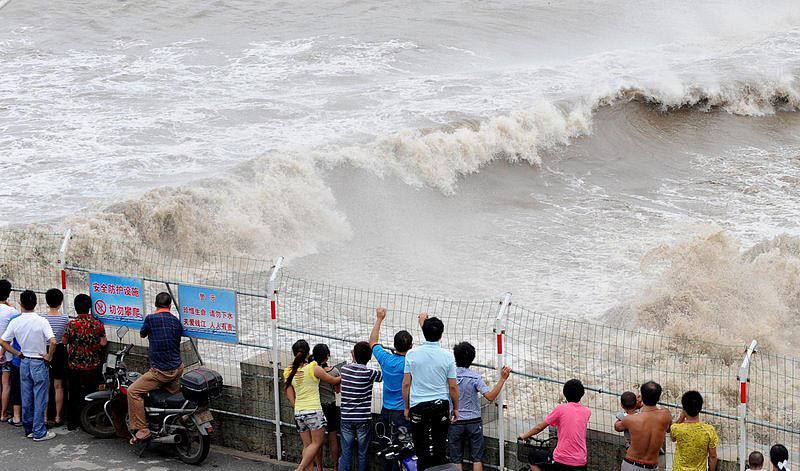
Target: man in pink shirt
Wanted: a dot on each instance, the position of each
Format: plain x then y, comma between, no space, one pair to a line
571,420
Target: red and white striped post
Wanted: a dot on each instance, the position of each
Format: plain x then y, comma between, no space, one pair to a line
744,387
272,289
62,265
500,337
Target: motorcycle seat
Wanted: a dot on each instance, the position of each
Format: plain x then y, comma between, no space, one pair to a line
164,399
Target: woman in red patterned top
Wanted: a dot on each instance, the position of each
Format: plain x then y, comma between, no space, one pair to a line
85,338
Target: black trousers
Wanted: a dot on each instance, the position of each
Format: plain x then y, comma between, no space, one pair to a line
79,384
430,423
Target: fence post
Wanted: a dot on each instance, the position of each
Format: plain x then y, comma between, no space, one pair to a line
744,385
273,288
62,266
500,362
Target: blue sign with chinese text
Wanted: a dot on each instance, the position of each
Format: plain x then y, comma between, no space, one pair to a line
208,313
117,300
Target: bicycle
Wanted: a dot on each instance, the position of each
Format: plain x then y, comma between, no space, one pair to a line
538,453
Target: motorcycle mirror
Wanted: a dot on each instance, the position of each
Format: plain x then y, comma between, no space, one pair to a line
121,331
380,430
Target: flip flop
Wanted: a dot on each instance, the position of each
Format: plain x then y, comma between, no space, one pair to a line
137,441
15,424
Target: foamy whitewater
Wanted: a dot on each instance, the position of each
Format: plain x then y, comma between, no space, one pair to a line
628,160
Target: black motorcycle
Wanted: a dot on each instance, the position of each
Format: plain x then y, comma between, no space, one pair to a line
182,420
396,447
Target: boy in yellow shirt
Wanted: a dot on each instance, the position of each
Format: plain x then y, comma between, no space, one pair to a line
696,442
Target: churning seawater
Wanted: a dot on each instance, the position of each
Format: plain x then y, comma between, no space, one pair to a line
585,155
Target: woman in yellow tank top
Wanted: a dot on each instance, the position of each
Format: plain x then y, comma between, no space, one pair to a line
302,389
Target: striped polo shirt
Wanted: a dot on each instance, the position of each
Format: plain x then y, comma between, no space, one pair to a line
58,324
357,381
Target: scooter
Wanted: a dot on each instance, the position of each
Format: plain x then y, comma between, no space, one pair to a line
182,420
397,447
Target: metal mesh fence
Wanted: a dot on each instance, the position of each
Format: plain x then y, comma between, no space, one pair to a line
543,350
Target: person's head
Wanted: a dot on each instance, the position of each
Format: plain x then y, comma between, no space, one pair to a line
755,461
465,354
779,457
651,393
163,301
362,352
5,290
27,300
573,390
403,341
692,403
628,400
54,298
432,329
300,350
83,304
321,353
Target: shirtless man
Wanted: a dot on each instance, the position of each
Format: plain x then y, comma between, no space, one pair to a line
647,429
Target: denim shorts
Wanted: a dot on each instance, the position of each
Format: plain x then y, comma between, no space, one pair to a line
460,434
308,421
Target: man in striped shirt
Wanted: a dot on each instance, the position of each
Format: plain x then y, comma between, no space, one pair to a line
357,382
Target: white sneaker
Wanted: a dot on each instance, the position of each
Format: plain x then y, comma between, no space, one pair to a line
48,436
30,435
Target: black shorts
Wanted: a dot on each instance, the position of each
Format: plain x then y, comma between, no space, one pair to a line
16,387
58,365
333,415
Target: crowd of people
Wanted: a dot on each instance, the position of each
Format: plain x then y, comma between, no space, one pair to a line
50,363
434,393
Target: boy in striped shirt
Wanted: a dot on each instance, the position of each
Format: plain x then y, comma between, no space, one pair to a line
357,382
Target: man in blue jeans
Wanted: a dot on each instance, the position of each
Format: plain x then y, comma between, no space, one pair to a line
34,336
357,382
392,366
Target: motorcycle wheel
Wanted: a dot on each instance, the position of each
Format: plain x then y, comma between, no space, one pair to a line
95,421
193,447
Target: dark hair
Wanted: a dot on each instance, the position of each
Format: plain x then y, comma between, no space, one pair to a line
692,403
432,329
83,304
362,352
163,300
465,354
320,354
54,298
27,299
403,341
573,390
5,290
300,350
651,393
778,454
628,400
756,459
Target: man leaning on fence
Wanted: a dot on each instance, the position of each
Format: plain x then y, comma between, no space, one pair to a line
164,332
429,386
648,429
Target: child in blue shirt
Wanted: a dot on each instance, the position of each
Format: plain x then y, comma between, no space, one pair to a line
469,427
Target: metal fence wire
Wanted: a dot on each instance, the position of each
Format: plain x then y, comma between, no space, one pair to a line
543,350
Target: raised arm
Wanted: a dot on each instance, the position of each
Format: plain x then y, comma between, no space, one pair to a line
504,374
422,318
374,336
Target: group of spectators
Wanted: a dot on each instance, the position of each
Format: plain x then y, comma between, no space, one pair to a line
435,394
427,390
47,359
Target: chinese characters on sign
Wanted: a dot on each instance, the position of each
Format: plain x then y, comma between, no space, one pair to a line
117,300
208,313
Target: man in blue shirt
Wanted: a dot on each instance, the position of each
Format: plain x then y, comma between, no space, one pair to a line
429,386
164,331
393,368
